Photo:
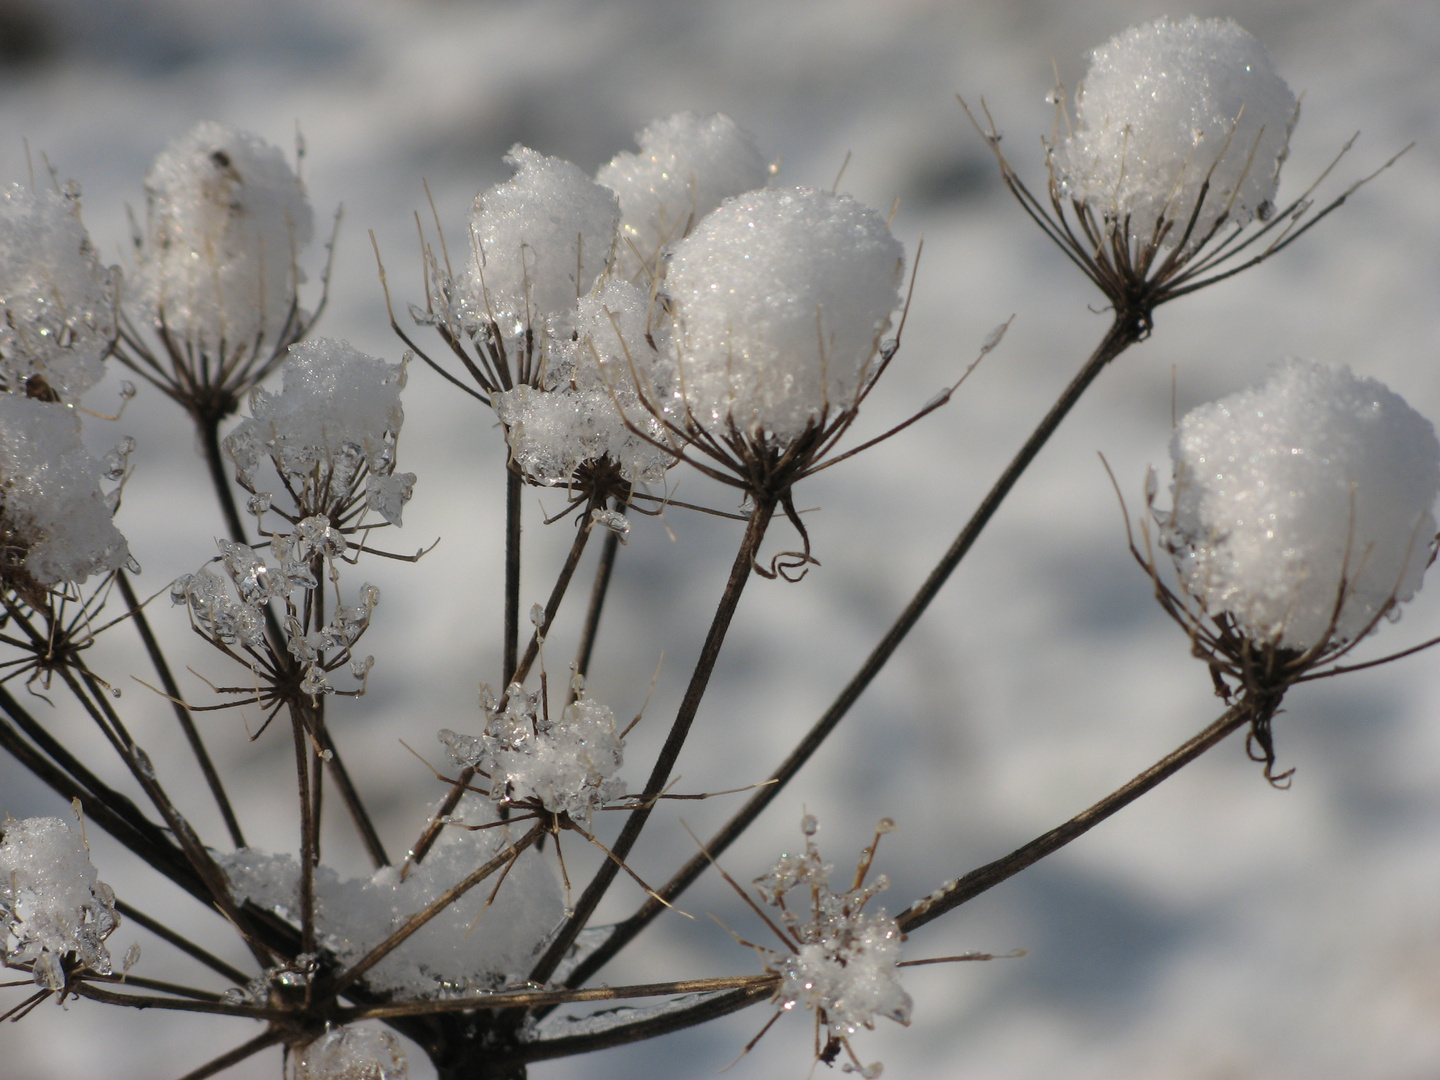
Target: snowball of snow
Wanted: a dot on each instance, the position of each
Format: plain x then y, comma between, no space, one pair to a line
780,299
338,410
353,1052
1285,490
227,218
686,166
541,239
54,519
51,900
566,763
1154,115
445,957
594,386
57,303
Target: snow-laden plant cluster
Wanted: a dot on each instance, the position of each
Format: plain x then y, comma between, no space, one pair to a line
676,312
1303,507
841,959
566,764
55,515
57,302
53,904
1181,124
217,266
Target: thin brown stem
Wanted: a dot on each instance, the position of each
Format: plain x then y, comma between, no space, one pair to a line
514,485
263,1041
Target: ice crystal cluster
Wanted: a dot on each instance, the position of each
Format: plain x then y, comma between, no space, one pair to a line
842,962
540,241
226,600
685,167
352,1052
226,220
1303,506
445,957
55,519
1166,108
52,903
592,404
57,303
334,423
566,763
780,297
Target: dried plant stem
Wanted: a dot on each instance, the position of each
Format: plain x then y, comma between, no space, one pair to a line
991,874
184,944
209,429
760,515
263,1041
309,829
182,714
1124,332
514,485
603,571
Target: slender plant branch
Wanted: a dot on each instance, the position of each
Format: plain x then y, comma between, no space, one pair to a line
514,486
1124,332
263,1041
184,944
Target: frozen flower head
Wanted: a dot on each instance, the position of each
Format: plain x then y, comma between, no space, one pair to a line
52,903
330,433
539,242
1303,506
780,298
1177,119
57,303
580,429
218,267
352,1052
685,167
55,519
838,959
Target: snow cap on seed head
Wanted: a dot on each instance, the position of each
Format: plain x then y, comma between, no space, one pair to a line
227,218
685,167
1285,490
540,241
780,299
1159,107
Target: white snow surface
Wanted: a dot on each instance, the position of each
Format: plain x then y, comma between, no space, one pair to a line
55,519
781,298
539,241
52,901
1289,492
57,303
685,167
1218,928
1166,108
226,222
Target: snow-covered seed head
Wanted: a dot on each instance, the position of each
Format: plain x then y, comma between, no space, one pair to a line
352,1052
55,520
592,400
227,218
334,422
780,300
685,167
540,240
57,303
1167,108
1303,506
841,961
52,902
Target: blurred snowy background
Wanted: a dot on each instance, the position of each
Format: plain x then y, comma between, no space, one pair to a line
1218,930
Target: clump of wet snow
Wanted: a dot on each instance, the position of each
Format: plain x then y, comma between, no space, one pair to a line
57,303
55,520
1303,507
52,902
780,300
226,220
352,1052
1167,108
685,167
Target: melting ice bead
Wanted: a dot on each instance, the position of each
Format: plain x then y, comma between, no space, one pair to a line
1156,112
353,1052
780,297
1287,489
